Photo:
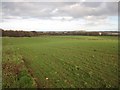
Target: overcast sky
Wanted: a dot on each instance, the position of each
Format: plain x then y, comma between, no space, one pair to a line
59,16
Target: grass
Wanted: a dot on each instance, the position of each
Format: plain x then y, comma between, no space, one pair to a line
60,61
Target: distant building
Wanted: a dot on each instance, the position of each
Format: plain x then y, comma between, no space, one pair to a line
100,33
111,33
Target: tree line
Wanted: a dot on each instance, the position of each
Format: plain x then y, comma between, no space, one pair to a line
11,33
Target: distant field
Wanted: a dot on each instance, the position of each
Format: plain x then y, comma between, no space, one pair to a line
60,62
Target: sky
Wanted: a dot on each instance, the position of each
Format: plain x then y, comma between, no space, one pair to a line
59,16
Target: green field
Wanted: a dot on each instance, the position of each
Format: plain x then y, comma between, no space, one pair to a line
60,62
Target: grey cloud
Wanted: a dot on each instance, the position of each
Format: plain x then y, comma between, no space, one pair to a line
80,9
93,4
34,10
47,9
24,9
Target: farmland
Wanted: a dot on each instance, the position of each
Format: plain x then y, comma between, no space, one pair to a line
60,61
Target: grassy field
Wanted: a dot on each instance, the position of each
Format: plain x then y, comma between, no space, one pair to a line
60,62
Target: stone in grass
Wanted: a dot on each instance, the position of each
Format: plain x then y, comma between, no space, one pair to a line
65,80
22,61
46,78
71,85
85,83
58,80
93,56
108,86
55,72
90,73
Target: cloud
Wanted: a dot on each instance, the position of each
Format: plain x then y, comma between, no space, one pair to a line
50,9
90,8
93,4
61,1
68,15
62,18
